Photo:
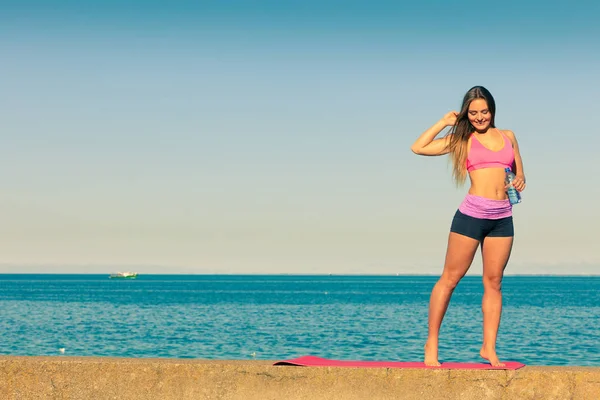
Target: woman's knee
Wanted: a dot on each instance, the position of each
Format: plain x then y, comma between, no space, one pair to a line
492,282
450,281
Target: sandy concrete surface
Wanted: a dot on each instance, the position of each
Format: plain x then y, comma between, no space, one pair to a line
92,378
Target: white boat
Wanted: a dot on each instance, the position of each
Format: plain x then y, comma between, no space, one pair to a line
123,275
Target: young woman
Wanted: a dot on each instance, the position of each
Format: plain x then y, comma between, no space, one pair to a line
482,151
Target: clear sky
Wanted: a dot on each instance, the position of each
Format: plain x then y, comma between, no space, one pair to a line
274,136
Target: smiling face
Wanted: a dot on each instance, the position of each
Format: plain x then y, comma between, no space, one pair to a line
479,115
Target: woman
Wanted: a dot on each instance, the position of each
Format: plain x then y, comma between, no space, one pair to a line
482,151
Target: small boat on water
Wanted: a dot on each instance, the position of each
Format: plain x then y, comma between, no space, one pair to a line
123,275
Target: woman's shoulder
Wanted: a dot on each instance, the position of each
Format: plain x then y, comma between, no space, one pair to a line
508,133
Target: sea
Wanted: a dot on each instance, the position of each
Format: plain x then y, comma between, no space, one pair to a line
546,320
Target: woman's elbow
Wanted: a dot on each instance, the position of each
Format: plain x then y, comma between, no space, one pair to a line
416,150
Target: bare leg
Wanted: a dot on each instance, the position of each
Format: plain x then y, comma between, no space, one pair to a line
496,252
459,256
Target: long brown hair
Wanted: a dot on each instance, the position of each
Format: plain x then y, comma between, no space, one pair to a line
461,131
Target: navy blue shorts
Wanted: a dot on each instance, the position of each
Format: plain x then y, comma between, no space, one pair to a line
478,228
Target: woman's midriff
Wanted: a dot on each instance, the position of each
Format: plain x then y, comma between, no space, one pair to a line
488,183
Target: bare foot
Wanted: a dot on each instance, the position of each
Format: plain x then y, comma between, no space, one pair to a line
431,355
491,356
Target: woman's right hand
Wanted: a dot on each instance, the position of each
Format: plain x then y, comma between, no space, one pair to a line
450,118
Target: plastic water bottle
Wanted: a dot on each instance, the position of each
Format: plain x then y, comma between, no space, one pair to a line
513,194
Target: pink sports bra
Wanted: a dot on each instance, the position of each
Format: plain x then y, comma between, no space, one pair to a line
481,157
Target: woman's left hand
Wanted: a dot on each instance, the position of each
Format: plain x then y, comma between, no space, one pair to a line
519,183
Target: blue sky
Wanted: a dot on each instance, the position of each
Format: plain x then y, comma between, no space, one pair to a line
273,137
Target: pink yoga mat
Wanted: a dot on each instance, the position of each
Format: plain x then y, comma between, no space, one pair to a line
312,361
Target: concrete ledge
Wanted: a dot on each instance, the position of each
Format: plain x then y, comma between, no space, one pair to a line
165,379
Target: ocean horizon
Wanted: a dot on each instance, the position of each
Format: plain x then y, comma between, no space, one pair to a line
547,319
136,270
